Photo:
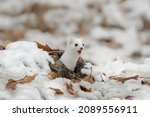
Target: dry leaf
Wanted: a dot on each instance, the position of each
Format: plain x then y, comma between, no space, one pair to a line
89,78
145,83
124,79
52,75
129,97
70,89
26,79
75,80
44,47
12,83
85,89
57,91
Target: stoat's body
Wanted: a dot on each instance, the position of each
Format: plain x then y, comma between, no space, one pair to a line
72,53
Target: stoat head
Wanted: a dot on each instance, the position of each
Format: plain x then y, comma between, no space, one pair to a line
76,45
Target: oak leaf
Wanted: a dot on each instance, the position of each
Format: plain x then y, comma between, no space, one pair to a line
75,80
145,83
123,79
129,97
89,78
85,89
57,91
70,89
12,83
26,79
45,47
52,75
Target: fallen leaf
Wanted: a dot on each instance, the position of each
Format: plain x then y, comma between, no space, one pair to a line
145,83
57,91
89,78
85,89
26,79
52,75
12,83
70,89
75,80
129,97
45,47
123,79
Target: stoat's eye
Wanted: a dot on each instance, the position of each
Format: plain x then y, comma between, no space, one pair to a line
76,45
83,45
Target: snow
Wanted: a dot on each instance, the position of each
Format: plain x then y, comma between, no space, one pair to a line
113,32
23,58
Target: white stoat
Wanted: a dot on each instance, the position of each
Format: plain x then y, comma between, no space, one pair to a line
72,53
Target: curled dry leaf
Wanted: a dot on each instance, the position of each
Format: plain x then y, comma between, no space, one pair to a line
129,97
85,89
70,89
145,83
46,47
57,91
123,79
12,83
52,75
89,78
75,80
26,79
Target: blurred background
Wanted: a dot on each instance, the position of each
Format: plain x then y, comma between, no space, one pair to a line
111,28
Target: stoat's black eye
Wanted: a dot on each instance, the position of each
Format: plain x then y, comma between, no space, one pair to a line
76,45
83,45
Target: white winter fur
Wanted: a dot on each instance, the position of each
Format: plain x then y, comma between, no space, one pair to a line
71,54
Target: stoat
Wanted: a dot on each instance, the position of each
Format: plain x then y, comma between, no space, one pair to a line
72,53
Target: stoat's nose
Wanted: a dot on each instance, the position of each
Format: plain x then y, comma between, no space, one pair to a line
81,48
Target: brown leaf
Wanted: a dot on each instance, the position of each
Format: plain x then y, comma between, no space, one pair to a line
52,75
12,83
44,47
57,91
75,80
85,89
26,79
70,89
89,78
145,83
129,97
123,79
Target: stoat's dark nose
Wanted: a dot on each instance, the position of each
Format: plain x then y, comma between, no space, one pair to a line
81,48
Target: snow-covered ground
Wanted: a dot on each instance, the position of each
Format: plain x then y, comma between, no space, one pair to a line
116,34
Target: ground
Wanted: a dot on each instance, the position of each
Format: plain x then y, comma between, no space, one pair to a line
117,39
